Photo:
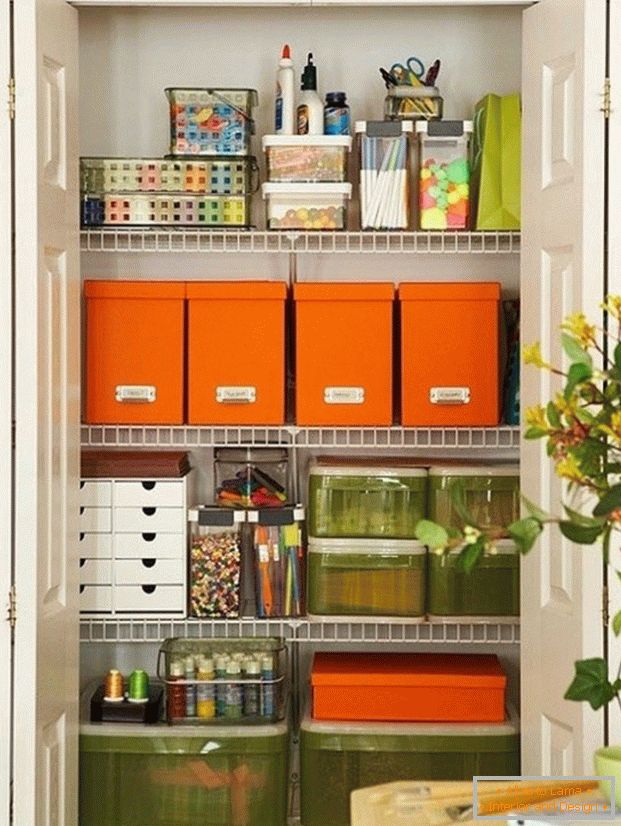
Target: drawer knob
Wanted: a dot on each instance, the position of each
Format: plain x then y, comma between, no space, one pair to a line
82,587
148,589
148,563
82,563
149,511
148,485
149,537
82,509
82,535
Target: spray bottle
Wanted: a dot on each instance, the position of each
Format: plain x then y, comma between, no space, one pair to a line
285,110
310,108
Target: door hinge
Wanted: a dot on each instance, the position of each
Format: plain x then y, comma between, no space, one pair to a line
12,607
12,98
606,99
605,610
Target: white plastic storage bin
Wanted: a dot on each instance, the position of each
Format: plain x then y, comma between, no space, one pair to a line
307,158
306,206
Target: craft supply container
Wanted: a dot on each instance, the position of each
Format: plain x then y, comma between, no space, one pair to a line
491,494
444,174
366,577
491,589
450,371
307,158
354,499
211,121
340,757
222,387
134,352
251,477
215,561
319,206
343,353
179,209
413,103
271,648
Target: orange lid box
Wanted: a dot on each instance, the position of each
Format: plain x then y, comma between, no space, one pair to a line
454,291
134,289
250,290
375,291
408,687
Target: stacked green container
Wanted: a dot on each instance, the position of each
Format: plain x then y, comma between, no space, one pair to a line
149,775
337,758
491,493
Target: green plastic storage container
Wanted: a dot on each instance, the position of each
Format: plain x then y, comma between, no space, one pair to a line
367,500
492,589
491,493
336,758
366,577
151,776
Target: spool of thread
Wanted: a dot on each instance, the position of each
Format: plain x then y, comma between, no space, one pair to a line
252,690
175,694
206,690
221,663
113,687
138,687
190,690
234,695
268,707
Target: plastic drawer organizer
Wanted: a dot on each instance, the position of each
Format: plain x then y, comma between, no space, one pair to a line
307,158
144,191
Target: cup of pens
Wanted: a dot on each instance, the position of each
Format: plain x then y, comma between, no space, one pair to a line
413,103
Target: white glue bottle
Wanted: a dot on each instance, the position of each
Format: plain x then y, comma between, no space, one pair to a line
310,108
285,109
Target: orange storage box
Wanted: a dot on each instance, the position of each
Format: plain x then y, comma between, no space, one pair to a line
236,352
408,687
134,352
450,374
344,353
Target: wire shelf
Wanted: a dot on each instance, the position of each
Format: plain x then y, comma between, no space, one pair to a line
183,436
114,630
178,239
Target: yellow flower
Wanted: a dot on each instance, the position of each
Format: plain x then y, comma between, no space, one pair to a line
562,405
567,468
531,354
536,417
577,325
612,305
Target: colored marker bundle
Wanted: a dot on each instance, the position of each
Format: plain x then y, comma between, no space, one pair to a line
279,568
384,199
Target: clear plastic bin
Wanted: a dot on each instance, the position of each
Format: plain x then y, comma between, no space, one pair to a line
373,500
366,577
491,494
215,561
307,158
211,121
340,757
444,186
251,478
384,152
306,206
180,209
491,589
413,103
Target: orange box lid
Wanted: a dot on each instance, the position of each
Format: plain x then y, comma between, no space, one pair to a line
469,670
134,289
255,290
451,291
319,291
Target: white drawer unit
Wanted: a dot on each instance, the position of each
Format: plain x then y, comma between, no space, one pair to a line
134,546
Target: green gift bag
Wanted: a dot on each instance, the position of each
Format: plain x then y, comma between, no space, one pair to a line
496,162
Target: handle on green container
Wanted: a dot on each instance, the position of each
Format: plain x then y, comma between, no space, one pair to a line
339,561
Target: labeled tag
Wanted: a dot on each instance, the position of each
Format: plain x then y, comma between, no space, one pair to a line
449,395
264,555
343,395
137,393
236,395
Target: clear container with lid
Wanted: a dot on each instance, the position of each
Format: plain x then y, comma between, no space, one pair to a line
251,477
319,206
444,174
307,158
384,151
413,103
491,494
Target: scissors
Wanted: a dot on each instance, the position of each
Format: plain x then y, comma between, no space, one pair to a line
409,75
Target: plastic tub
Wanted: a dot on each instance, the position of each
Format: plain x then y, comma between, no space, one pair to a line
340,757
413,103
307,158
357,500
211,121
148,775
167,210
306,206
491,589
366,577
384,178
215,561
444,196
251,477
491,494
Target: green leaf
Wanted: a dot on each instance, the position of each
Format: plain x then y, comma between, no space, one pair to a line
616,623
534,510
609,502
576,375
618,356
580,534
591,683
470,555
454,533
535,433
525,532
575,351
581,519
432,535
553,415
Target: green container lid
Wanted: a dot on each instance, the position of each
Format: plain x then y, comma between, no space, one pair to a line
476,477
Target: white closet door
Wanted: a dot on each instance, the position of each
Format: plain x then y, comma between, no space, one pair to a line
562,272
47,414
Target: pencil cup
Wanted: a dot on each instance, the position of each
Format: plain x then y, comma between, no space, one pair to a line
384,151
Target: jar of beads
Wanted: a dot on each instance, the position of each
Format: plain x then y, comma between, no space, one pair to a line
444,174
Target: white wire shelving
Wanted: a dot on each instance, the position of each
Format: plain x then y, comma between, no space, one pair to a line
345,631
178,239
188,436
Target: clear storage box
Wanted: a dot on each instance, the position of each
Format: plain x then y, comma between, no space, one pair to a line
347,498
251,478
160,776
413,103
491,494
366,577
211,121
181,209
307,158
340,757
306,206
215,561
384,152
491,589
444,195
